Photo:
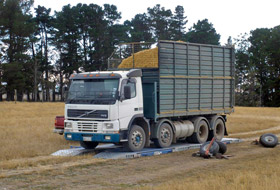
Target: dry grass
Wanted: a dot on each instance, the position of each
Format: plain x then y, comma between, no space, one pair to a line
259,172
26,130
246,119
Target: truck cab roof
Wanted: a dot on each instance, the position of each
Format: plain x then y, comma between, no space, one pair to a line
107,74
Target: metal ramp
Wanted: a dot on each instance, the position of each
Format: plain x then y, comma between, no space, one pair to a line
111,151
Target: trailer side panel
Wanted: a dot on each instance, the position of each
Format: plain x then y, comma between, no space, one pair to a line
195,79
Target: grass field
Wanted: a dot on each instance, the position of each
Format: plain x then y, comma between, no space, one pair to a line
27,140
26,129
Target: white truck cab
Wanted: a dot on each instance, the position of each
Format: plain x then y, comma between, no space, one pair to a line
101,107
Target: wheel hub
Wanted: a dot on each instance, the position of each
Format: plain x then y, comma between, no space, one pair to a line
137,138
165,135
269,139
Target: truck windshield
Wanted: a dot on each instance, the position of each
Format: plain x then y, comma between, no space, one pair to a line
93,91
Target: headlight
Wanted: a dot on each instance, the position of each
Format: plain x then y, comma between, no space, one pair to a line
68,125
109,125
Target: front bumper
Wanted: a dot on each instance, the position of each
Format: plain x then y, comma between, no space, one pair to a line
59,131
96,137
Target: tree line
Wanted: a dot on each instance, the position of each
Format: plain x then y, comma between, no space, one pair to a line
44,49
258,68
38,48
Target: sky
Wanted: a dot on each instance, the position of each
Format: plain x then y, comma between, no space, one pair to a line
229,18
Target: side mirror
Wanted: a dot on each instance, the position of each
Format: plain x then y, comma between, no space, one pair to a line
127,92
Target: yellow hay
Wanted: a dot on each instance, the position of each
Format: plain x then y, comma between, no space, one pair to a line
142,59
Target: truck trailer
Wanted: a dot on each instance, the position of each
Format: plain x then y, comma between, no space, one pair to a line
186,98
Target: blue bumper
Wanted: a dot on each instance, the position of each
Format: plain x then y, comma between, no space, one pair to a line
114,138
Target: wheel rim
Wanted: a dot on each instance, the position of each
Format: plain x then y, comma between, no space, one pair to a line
137,138
269,139
165,135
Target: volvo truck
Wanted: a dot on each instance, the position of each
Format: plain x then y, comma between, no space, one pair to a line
186,98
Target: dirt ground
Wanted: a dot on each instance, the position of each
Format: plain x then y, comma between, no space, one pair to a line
90,173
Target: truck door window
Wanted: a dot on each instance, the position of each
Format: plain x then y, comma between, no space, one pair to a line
133,88
132,84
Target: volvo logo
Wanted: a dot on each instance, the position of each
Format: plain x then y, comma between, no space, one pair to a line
87,113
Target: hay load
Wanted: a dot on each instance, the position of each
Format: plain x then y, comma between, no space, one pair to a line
142,59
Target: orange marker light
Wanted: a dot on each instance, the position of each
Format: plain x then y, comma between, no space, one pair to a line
85,75
91,75
72,75
97,75
112,75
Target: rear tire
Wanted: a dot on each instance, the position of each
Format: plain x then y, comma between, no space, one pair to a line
88,144
164,136
136,139
218,131
201,131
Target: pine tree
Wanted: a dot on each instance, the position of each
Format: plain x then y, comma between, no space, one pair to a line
15,29
178,23
204,33
160,20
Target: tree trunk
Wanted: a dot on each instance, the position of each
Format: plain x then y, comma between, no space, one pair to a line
53,94
47,69
10,95
38,96
19,96
61,87
47,87
35,73
28,96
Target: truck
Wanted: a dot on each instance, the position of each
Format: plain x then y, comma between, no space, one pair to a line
186,98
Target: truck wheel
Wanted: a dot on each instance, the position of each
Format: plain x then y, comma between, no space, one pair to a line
222,147
269,140
88,144
136,139
164,136
214,149
201,131
219,130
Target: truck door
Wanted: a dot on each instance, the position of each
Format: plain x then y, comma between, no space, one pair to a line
128,107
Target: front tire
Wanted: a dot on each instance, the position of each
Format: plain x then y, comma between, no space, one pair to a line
136,139
164,136
88,144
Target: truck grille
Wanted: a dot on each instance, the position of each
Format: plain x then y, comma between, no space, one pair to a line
87,127
102,114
